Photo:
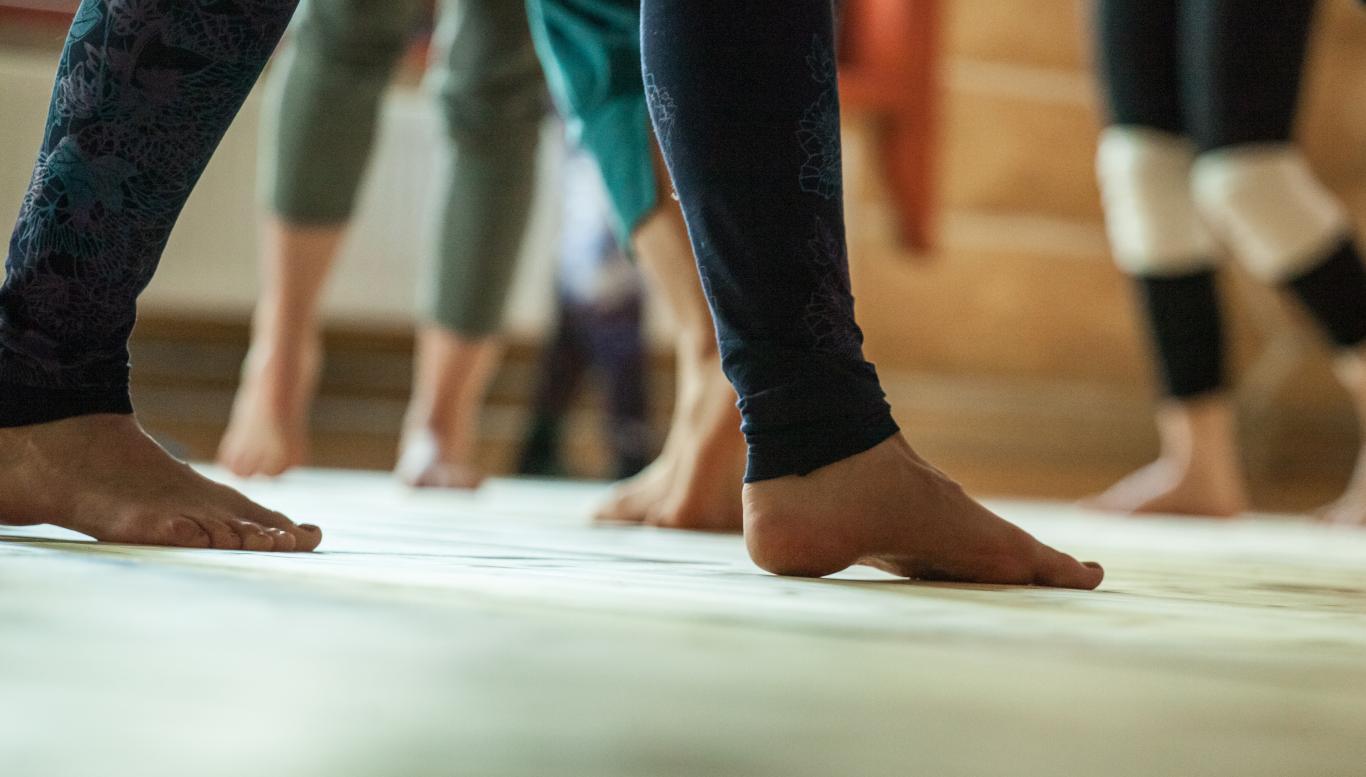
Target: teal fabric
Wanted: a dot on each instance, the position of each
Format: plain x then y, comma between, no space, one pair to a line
590,50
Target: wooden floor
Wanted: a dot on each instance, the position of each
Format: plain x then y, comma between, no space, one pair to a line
499,634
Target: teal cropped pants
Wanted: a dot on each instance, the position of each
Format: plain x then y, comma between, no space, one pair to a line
591,53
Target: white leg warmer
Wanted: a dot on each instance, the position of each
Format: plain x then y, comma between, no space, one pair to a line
1270,207
1150,214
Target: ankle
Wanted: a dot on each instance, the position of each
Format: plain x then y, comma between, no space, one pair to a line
451,439
1198,432
274,343
1203,465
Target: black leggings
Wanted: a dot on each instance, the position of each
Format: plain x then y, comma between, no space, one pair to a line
745,104
1226,75
1221,72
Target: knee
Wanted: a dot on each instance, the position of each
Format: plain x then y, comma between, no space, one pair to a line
1266,202
497,103
1150,217
362,38
501,121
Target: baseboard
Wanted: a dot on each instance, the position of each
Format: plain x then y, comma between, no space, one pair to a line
1013,437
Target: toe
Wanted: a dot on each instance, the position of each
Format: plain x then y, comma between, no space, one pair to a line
305,536
675,518
254,536
269,466
284,541
659,518
221,535
180,532
620,508
1059,570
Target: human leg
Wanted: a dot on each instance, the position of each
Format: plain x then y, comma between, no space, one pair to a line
756,163
492,97
591,51
321,115
1144,164
561,371
143,97
1257,189
695,481
617,346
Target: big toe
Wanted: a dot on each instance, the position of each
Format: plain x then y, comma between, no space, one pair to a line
621,508
1059,570
288,536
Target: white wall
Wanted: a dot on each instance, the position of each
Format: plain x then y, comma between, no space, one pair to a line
210,265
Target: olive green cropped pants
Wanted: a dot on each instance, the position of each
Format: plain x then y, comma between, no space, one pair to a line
323,102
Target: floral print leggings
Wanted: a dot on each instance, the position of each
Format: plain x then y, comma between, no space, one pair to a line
745,105
145,90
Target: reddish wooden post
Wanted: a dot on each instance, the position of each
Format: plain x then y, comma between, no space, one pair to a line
890,61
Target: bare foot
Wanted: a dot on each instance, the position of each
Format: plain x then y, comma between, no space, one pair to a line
102,476
632,499
451,375
268,431
1350,508
890,509
1198,472
695,482
424,463
1166,487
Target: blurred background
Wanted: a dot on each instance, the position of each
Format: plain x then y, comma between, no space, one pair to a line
1007,339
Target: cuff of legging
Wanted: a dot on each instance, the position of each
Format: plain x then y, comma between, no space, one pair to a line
1195,390
1332,292
463,324
28,405
805,450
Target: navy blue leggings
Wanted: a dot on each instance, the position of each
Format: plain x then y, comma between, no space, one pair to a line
745,104
145,90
